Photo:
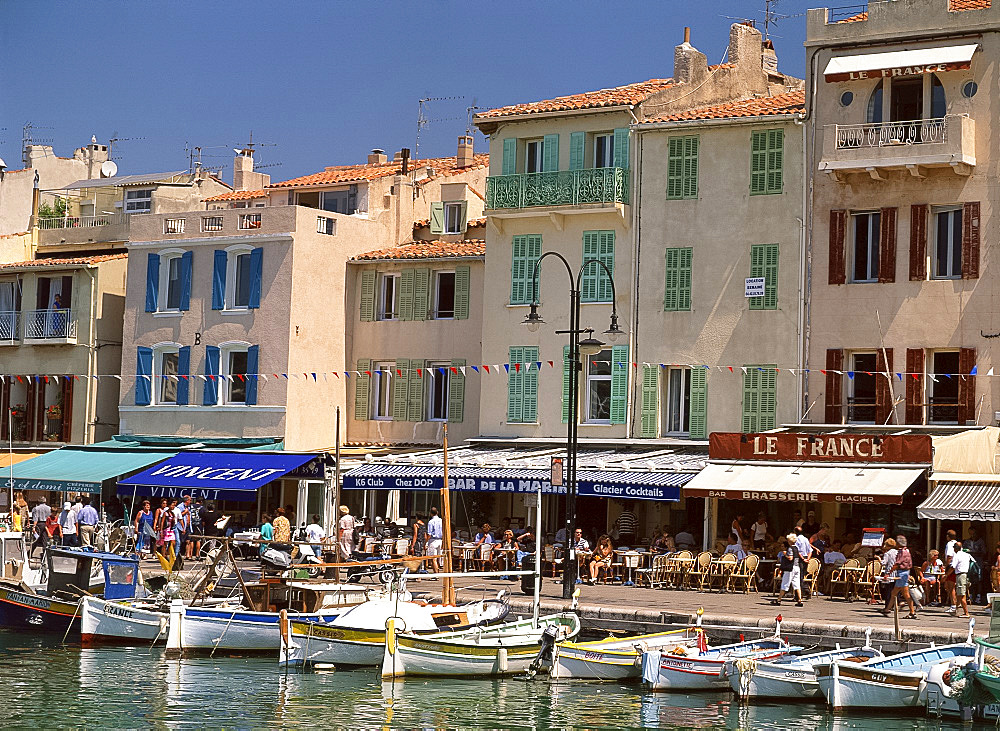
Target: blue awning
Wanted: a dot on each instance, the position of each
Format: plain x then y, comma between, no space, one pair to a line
78,470
213,475
627,484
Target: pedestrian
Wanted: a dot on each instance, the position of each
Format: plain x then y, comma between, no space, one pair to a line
759,532
67,525
811,526
197,528
345,534
266,532
210,521
419,539
39,515
930,577
902,565
976,546
87,520
736,528
78,505
435,537
53,530
802,545
790,564
145,534
627,525
20,513
282,527
961,564
168,530
184,525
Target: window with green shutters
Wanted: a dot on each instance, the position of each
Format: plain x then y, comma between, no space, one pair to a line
400,392
596,285
682,167
415,391
522,385
368,295
577,148
620,367
698,404
456,391
764,263
650,403
760,401
550,153
621,156
362,387
525,251
767,153
677,290
509,160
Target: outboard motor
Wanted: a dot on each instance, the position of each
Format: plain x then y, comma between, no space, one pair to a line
544,655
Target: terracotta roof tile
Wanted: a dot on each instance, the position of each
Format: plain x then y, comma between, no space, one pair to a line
73,261
374,171
789,103
471,223
237,195
468,248
615,96
953,6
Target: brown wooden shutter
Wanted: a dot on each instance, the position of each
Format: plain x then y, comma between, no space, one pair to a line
5,408
35,430
887,246
883,386
918,242
966,386
838,227
834,386
914,385
66,430
970,240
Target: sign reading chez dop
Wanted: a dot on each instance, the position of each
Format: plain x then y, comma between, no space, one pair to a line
796,447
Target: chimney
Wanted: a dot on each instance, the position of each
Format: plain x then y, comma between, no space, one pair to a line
244,177
377,157
745,46
687,34
404,158
689,62
464,158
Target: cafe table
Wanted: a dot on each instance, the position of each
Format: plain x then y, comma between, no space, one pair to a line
509,556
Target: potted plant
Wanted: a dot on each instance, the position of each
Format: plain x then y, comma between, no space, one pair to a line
54,411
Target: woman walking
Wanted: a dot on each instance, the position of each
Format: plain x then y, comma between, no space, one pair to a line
145,534
902,565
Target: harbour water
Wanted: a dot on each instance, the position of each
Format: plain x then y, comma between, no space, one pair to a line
44,684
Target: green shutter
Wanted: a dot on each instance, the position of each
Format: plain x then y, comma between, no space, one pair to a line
461,293
421,292
529,385
595,285
515,401
771,277
550,153
775,159
463,221
400,379
677,287
621,147
567,365
691,167
684,279
758,163
368,295
757,270
415,392
362,388
577,140
525,252
437,217
751,399
606,253
509,156
760,398
619,383
675,168
406,294
698,404
768,397
650,402
456,392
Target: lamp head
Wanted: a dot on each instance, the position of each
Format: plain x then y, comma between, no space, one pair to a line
614,332
590,346
533,320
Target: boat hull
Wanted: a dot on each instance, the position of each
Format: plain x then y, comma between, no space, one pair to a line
663,671
614,659
858,686
107,622
235,630
788,684
313,644
21,611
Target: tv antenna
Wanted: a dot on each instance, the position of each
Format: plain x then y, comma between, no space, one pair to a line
771,17
115,138
248,147
28,139
423,121
469,113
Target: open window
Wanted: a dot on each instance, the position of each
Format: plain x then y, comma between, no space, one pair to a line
166,362
942,387
598,388
677,401
865,233
444,295
238,279
604,150
861,388
388,297
382,390
947,263
533,156
438,385
234,369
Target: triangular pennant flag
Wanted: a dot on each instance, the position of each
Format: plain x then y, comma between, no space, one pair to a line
347,374
475,368
899,376
420,372
989,372
916,376
932,377
264,376
538,365
337,375
731,369
850,374
744,369
487,369
517,368
974,371
462,368
454,370
552,364
507,367
442,370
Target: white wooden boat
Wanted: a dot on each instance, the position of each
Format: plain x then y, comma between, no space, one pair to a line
947,685
615,658
357,637
504,649
121,622
790,677
702,669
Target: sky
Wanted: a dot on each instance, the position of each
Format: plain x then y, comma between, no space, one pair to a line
322,83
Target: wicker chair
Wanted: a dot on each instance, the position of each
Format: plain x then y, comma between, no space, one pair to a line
845,576
725,566
678,565
549,557
813,568
700,572
484,557
867,583
745,575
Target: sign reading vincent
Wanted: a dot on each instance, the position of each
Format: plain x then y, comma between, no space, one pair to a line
795,447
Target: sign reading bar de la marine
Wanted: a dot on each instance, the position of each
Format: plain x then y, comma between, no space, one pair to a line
798,448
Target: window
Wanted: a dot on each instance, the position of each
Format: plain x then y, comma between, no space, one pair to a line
861,388
767,152
444,295
677,401
598,388
604,150
533,156
677,290
237,278
682,167
525,251
382,390
948,243
9,306
875,104
439,377
249,221
340,201
943,388
388,298
211,223
764,263
239,275
522,385
759,397
139,201
165,370
173,225
326,225
596,285
865,230
454,218
171,266
234,368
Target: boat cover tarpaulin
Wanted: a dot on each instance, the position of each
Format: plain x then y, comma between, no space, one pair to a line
78,470
213,475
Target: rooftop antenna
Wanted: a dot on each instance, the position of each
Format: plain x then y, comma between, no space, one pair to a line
28,139
469,113
115,138
423,121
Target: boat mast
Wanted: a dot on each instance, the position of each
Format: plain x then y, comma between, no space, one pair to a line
447,585
10,456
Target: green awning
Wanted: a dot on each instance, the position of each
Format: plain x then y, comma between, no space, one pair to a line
83,470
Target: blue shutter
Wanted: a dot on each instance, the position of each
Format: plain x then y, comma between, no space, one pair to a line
219,280
152,281
212,358
143,376
253,353
256,277
183,369
186,264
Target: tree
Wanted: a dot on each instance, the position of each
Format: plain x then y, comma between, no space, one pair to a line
52,211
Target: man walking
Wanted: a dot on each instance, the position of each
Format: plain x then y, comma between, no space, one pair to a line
345,534
627,526
961,562
87,520
67,525
39,515
435,537
791,567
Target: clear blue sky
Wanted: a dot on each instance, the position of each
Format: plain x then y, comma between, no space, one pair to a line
326,81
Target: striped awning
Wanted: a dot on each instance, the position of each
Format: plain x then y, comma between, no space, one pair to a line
962,500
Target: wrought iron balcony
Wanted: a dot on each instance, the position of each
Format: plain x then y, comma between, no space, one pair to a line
9,327
58,326
861,409
560,188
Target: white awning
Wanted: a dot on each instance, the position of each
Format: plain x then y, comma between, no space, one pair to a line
899,63
791,483
968,499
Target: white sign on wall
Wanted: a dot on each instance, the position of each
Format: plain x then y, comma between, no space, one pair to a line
755,286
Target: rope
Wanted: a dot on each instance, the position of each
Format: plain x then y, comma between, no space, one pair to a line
747,668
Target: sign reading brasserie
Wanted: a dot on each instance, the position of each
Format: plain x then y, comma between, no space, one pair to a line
796,447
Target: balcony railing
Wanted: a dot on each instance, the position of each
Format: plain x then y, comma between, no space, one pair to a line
10,326
49,325
885,134
109,219
860,409
561,188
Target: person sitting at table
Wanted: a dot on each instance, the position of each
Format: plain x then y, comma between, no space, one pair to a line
484,535
664,543
685,540
579,542
735,547
930,578
525,544
600,562
835,554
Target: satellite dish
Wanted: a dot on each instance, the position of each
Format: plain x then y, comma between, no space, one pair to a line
108,169
3,165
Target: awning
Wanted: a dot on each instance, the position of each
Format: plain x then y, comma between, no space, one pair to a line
626,484
899,63
9,458
78,470
792,483
213,475
968,499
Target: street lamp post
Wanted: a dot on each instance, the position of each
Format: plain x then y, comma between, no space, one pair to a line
588,347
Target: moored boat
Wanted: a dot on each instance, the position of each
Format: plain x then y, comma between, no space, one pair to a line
614,658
